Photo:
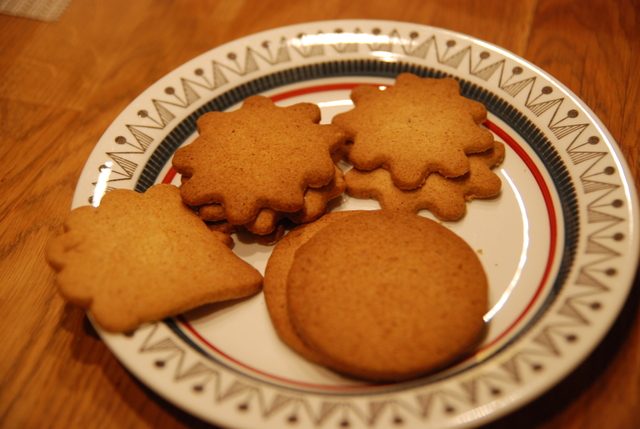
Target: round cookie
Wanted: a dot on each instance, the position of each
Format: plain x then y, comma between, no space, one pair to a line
275,281
387,296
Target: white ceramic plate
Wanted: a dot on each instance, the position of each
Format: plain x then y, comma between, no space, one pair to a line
560,244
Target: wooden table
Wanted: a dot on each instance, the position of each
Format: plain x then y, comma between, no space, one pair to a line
63,83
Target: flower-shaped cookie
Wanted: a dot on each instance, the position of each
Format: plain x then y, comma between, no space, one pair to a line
259,156
315,204
444,197
413,128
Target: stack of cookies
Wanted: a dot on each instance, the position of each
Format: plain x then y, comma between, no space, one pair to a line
419,145
377,295
252,167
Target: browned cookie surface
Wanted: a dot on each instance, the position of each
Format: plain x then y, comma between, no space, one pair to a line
445,197
139,258
316,199
266,220
387,296
259,156
413,128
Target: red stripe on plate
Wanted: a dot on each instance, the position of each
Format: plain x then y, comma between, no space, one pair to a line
553,226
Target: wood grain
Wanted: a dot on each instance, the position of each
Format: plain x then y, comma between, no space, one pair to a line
63,83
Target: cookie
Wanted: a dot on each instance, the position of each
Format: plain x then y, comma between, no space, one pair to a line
316,199
267,239
266,220
275,281
445,197
271,238
264,223
387,296
211,212
222,226
259,156
413,128
140,258
267,227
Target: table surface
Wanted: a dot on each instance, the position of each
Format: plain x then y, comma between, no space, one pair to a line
63,83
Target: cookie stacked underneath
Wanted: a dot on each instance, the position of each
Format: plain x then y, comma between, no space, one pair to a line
251,167
377,295
419,145
267,227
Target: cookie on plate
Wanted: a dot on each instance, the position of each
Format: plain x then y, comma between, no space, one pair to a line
387,296
268,225
140,258
413,128
445,197
316,199
267,219
259,156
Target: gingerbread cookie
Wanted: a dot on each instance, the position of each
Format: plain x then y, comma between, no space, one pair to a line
259,156
139,258
267,220
387,296
267,226
316,199
445,197
413,128
211,212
